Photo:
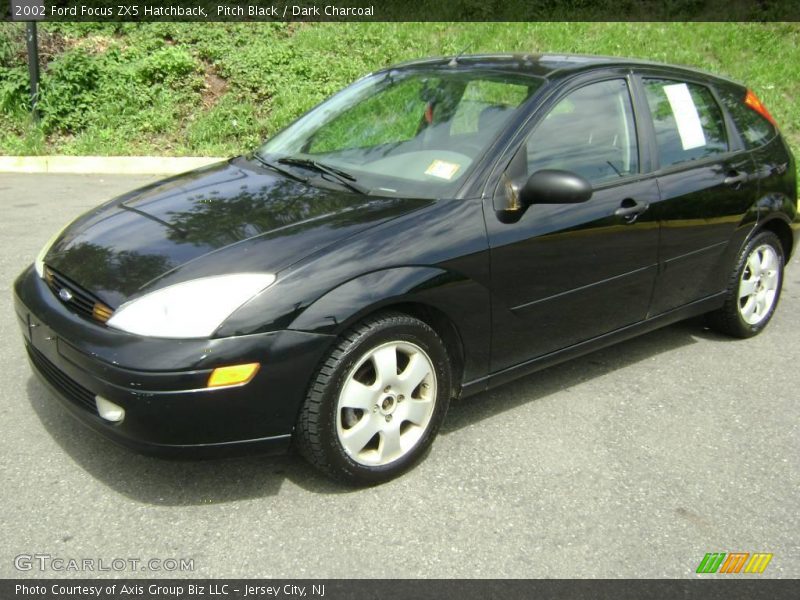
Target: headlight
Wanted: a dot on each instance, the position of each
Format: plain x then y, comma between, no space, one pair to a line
192,309
39,263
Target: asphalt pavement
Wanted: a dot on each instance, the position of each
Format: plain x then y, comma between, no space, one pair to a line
634,461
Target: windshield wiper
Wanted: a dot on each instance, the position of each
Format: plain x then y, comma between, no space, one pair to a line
343,177
275,167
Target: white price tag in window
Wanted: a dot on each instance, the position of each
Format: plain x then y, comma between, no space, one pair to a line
686,118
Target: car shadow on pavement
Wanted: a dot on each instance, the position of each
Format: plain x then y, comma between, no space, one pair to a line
576,371
171,481
176,482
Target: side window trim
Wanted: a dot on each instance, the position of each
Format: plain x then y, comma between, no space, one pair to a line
644,125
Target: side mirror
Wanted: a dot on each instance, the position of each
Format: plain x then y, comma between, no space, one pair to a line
553,186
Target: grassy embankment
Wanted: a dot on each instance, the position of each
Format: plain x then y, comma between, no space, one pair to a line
218,89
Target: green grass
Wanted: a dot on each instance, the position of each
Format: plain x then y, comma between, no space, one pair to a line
219,89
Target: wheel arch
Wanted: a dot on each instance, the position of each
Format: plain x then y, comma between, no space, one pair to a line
445,328
781,229
454,306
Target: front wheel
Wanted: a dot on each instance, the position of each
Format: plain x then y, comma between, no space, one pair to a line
376,403
754,288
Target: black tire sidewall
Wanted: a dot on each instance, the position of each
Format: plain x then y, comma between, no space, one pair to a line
768,238
393,329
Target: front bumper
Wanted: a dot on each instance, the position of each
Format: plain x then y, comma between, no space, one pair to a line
161,384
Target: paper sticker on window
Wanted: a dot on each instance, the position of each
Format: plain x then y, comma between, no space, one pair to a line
442,169
686,118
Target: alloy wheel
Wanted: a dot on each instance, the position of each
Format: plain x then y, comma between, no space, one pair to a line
386,403
758,286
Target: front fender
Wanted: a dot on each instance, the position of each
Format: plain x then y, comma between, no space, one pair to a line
463,301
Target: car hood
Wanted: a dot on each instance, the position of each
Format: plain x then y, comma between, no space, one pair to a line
235,216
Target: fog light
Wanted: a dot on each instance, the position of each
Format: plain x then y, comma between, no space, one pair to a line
233,375
108,410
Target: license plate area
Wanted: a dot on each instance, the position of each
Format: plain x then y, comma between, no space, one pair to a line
43,339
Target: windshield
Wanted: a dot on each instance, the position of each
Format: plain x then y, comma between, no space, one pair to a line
407,133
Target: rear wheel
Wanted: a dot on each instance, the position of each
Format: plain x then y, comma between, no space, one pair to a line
754,288
377,401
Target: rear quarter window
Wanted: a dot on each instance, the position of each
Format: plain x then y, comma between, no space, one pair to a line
754,129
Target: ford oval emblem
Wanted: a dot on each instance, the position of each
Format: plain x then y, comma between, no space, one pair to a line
65,294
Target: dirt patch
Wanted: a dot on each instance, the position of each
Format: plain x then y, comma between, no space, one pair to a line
214,86
295,26
50,46
96,44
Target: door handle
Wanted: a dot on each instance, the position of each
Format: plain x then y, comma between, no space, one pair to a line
735,178
631,209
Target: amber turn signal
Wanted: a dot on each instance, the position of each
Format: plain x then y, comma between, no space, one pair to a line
753,102
101,312
233,375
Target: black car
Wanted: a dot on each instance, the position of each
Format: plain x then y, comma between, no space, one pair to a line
433,230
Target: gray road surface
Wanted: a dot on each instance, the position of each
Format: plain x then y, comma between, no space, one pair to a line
631,462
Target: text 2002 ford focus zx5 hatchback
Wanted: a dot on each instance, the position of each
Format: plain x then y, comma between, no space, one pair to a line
433,230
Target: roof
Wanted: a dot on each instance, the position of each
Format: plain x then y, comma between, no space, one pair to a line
546,65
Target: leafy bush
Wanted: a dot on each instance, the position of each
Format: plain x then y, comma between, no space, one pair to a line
167,65
68,90
14,90
12,43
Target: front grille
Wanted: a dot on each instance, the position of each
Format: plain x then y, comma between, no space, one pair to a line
61,381
77,299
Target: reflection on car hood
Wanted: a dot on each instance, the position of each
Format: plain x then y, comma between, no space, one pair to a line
230,217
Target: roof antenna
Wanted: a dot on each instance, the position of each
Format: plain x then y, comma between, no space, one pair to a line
454,61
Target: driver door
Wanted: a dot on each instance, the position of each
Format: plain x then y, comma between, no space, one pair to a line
564,274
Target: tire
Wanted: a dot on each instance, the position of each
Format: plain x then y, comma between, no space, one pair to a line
366,419
754,288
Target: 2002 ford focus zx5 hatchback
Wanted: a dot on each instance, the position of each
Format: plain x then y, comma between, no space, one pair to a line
433,230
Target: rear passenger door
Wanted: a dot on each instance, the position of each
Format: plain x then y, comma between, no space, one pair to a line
706,181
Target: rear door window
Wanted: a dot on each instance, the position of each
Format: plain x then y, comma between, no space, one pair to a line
688,121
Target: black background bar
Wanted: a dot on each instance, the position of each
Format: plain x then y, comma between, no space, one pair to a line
703,588
400,10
